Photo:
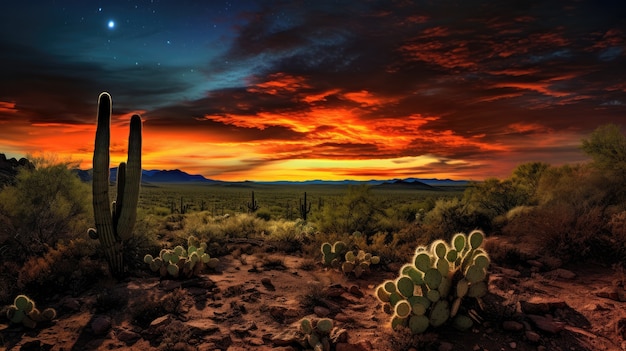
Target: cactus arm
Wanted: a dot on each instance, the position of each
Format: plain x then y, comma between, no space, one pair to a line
129,197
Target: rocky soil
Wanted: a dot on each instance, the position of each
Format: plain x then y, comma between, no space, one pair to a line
255,300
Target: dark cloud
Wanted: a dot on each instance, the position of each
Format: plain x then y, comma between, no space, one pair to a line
470,82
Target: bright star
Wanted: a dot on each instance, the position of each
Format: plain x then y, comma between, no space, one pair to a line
111,24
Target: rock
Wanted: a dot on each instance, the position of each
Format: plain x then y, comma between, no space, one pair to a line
71,304
101,325
551,262
321,311
532,336
334,290
547,324
509,273
445,346
202,326
535,263
356,291
564,274
513,345
344,318
128,337
512,326
534,307
256,342
161,321
612,293
287,337
267,283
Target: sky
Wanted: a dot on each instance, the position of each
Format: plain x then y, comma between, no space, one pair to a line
302,90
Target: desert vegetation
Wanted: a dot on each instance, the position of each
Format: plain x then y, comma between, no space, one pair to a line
572,213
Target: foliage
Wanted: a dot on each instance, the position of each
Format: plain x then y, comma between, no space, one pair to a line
431,289
45,205
357,210
70,266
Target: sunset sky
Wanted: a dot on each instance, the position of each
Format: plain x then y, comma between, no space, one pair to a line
300,90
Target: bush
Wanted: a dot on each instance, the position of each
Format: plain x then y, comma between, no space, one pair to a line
45,205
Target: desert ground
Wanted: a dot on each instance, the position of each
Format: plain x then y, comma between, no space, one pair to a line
257,296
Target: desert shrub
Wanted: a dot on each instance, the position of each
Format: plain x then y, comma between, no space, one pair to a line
218,228
263,214
357,210
147,309
452,216
67,268
45,205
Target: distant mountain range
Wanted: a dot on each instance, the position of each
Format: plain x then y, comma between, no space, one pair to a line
178,176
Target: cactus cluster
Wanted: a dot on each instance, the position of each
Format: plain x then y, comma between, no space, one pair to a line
338,256
24,311
431,289
332,253
181,262
359,263
317,334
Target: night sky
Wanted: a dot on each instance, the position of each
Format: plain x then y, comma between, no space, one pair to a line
296,90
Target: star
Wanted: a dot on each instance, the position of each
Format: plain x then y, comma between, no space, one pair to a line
111,24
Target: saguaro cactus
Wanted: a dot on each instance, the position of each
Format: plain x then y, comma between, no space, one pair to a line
114,224
252,206
304,209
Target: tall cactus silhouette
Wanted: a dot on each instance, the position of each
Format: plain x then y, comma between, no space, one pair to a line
303,208
115,223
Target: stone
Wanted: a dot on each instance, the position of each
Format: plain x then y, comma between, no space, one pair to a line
608,292
565,274
356,291
161,321
445,346
128,337
267,283
202,326
101,325
513,345
71,304
344,318
321,311
547,324
532,336
512,326
286,337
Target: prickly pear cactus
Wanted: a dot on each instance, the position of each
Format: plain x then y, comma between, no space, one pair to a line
338,256
431,289
359,263
23,311
181,262
317,333
331,253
